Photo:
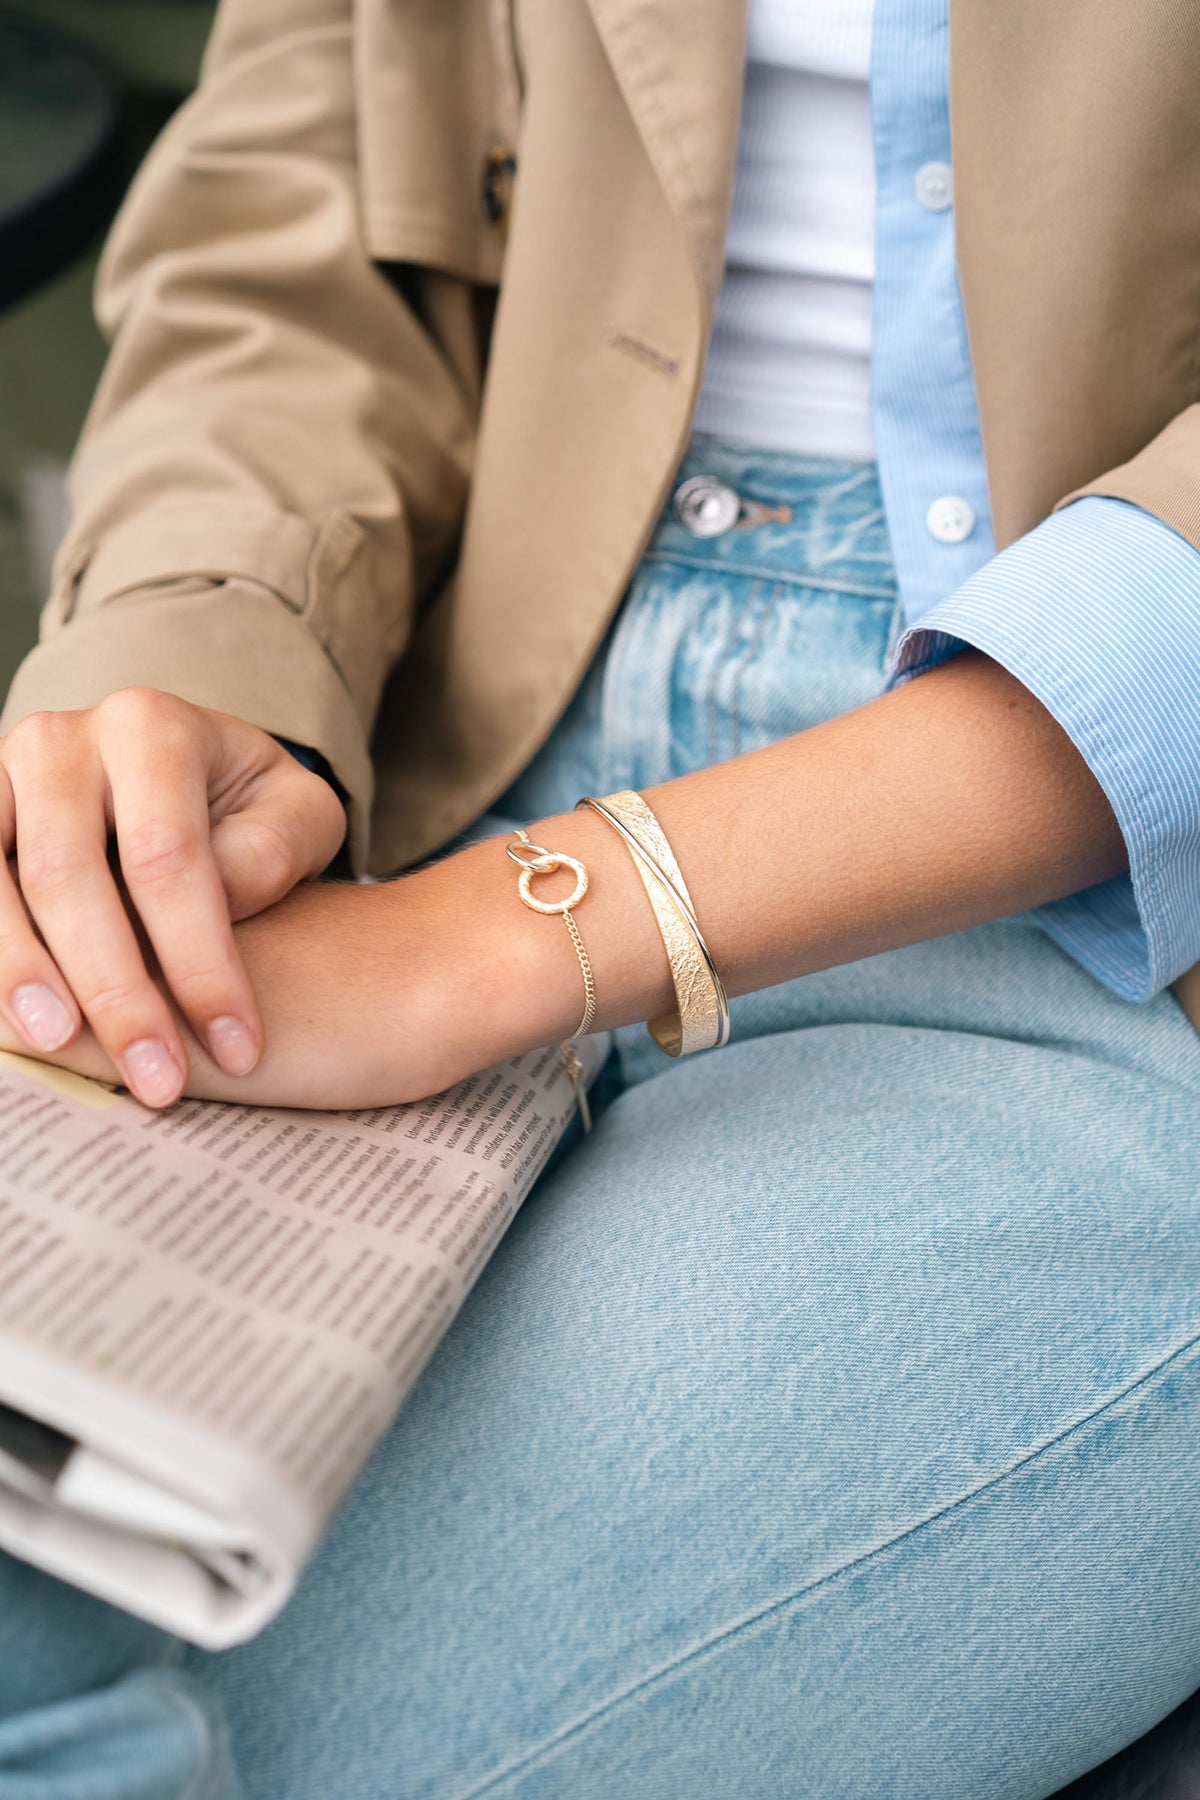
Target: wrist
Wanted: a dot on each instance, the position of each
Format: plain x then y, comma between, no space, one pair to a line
523,980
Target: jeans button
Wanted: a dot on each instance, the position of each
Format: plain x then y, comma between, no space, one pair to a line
706,506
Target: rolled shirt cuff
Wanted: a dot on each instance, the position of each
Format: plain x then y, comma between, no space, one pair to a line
1097,613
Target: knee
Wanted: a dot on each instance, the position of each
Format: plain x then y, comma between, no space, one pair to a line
56,1643
153,1735
92,1698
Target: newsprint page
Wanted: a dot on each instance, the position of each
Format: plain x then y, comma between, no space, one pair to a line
209,1316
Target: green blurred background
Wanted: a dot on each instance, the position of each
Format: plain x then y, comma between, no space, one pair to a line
50,350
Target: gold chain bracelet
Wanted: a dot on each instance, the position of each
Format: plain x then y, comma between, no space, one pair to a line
532,859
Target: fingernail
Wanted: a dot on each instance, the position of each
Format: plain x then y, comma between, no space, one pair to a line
152,1072
43,1015
232,1046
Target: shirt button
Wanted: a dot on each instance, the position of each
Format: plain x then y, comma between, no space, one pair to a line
951,520
935,186
706,506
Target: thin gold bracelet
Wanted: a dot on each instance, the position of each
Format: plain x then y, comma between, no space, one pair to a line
533,860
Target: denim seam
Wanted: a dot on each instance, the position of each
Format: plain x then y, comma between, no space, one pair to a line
821,583
727,657
790,1601
744,662
715,455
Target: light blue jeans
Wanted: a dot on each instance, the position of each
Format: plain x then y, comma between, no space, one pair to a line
829,1422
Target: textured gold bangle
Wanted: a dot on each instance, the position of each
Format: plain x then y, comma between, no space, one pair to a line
533,860
702,1021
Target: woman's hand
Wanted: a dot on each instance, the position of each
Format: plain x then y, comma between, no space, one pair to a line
210,820
342,1024
380,994
372,995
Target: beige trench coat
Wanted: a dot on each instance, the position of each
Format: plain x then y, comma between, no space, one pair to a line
381,440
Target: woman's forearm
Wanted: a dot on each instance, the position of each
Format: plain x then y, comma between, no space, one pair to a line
954,800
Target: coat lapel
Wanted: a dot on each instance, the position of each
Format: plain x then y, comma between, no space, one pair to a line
612,262
680,64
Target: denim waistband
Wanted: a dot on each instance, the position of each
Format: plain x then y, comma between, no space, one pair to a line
786,615
811,519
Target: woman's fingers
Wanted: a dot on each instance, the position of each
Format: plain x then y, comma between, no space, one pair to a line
33,995
157,764
60,799
288,827
211,819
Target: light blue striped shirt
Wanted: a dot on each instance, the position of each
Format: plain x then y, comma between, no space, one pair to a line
1097,612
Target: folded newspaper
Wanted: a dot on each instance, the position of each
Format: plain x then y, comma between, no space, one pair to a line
209,1316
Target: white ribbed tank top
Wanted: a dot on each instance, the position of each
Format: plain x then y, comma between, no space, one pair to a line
790,361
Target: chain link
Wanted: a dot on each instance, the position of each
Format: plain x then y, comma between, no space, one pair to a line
589,981
533,859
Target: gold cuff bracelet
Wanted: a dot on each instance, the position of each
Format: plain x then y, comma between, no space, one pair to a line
702,1020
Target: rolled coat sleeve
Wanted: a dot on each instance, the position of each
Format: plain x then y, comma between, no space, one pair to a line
1097,612
276,462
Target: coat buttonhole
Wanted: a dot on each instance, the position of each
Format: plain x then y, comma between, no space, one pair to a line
644,353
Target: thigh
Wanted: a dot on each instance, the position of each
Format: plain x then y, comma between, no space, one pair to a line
828,1425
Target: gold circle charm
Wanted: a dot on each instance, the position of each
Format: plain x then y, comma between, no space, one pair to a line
547,866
